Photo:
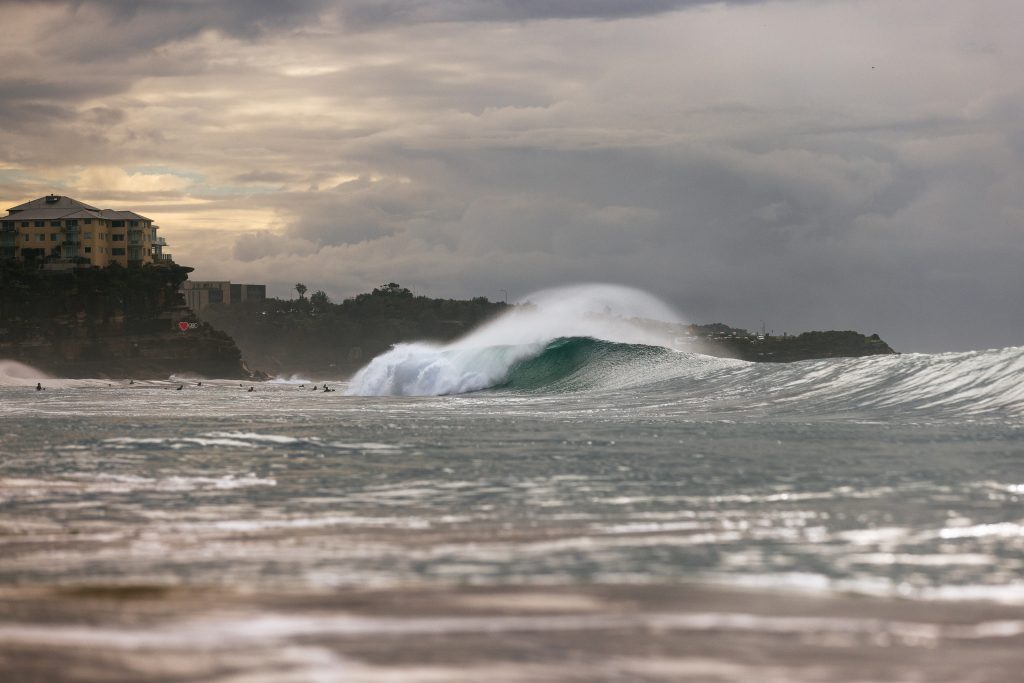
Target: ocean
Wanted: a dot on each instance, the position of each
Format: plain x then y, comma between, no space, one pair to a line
548,508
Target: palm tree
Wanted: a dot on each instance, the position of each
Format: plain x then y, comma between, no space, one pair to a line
301,289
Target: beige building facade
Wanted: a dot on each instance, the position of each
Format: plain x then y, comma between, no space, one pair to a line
201,293
60,231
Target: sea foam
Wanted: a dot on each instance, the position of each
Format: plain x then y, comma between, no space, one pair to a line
483,358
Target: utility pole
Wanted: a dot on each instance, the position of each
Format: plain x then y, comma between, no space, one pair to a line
505,292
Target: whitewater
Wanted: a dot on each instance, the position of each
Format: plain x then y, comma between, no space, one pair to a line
567,493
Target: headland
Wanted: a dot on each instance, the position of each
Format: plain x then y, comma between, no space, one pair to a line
131,322
111,322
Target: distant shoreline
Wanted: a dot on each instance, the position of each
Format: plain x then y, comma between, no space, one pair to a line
123,323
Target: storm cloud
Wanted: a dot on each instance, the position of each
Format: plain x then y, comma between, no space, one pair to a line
807,164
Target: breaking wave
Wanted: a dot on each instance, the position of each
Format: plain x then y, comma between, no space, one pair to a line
484,358
580,340
967,383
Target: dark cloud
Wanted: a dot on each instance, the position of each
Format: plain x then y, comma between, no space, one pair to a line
47,89
18,116
744,161
134,24
111,31
368,13
182,18
363,210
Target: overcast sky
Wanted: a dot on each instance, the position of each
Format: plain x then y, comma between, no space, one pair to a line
810,164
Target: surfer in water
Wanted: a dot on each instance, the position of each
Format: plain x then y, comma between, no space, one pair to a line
39,386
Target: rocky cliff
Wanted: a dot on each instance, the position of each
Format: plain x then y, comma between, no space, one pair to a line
112,323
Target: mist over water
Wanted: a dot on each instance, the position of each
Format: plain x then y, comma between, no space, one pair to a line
601,311
13,374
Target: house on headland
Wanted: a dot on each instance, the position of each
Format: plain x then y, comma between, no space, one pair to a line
60,231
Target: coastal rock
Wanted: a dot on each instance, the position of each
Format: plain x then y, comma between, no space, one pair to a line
109,323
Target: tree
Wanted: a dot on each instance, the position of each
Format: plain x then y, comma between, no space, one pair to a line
319,298
392,289
301,289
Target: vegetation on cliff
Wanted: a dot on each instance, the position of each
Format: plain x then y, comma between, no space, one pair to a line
107,322
33,300
786,349
312,334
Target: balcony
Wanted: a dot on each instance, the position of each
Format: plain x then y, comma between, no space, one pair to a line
163,258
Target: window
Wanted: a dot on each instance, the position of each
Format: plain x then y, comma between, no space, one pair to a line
7,224
88,250
87,235
117,224
53,237
38,224
28,237
117,252
24,224
88,221
117,237
133,224
54,224
40,237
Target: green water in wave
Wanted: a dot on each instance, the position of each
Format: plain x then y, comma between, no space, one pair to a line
575,363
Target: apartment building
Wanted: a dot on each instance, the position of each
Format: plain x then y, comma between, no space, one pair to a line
61,231
201,293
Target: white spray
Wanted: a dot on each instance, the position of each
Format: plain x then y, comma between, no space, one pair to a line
15,374
482,358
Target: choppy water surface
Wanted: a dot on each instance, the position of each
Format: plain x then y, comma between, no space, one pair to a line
594,469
